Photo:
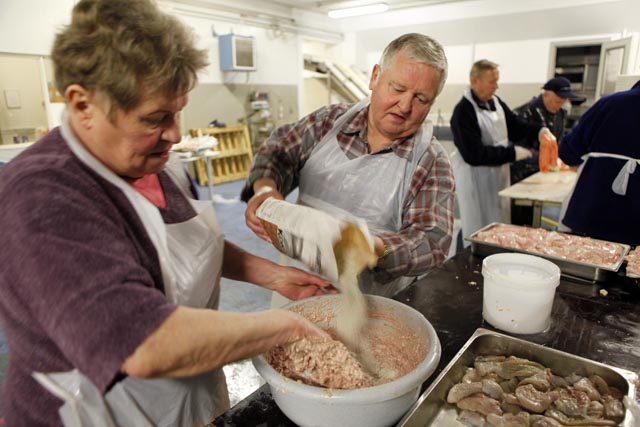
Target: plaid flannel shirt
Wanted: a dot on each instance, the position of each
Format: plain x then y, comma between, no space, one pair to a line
423,241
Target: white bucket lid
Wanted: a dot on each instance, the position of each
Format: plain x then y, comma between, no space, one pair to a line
521,270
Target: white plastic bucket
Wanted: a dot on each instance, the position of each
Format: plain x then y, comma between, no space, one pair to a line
518,292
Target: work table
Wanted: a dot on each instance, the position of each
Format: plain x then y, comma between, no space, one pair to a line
601,326
541,190
550,187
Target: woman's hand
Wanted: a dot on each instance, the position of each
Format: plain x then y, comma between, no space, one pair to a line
303,328
291,282
296,284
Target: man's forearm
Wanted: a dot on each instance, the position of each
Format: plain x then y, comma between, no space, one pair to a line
414,252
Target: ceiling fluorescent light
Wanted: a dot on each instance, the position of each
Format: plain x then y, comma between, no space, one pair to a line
359,10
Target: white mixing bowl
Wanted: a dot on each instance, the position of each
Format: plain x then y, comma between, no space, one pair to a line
377,406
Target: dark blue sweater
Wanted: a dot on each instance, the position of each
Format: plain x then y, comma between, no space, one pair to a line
467,135
611,125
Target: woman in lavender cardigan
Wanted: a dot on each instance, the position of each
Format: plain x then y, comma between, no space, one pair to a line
110,267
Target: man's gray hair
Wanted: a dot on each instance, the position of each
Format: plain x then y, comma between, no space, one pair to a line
421,48
479,67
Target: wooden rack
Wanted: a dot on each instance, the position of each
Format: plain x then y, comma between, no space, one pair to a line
235,157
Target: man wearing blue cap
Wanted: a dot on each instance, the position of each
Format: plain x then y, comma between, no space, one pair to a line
544,110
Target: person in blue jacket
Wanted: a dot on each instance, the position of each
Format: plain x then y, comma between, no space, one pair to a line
605,146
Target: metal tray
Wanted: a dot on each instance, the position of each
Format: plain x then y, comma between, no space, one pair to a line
581,270
627,272
432,408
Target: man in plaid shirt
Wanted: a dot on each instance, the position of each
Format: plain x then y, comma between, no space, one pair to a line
377,160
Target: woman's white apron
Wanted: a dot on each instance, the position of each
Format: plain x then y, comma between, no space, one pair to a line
190,255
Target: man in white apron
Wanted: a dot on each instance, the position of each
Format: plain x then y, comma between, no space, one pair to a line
110,269
482,127
605,202
376,160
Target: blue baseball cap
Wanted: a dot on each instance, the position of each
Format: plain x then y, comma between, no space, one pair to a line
561,87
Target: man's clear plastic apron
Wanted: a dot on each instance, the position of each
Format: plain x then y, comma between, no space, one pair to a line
372,187
618,186
190,255
477,187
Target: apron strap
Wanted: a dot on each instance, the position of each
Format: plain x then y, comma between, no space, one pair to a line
340,121
620,183
177,171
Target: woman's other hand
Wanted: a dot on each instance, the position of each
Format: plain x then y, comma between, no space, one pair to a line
296,284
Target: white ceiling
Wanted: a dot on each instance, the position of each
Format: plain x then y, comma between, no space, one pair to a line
309,17
324,6
312,7
399,10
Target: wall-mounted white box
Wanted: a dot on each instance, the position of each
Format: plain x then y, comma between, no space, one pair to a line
237,53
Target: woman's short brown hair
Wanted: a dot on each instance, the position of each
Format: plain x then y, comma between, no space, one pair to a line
124,49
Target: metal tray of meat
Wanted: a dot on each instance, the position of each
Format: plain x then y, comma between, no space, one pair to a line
578,269
432,409
635,254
